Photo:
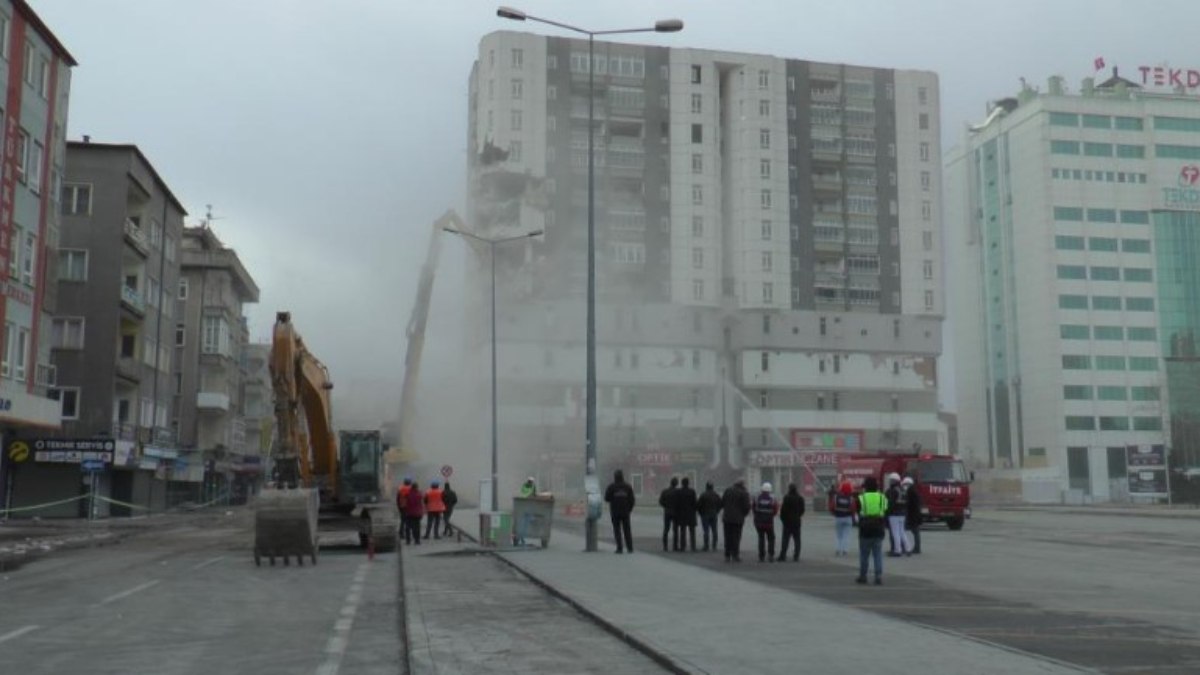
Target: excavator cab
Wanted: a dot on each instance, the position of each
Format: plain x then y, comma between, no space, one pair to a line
361,475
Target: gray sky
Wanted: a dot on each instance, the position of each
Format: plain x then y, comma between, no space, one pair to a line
328,135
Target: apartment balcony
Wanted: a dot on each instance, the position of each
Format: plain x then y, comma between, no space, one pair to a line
124,431
137,238
129,369
132,300
212,401
825,95
827,182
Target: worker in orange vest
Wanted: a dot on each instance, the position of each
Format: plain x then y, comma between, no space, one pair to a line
436,506
402,505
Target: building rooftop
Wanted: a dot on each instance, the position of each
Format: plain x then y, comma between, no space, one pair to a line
44,31
89,146
201,249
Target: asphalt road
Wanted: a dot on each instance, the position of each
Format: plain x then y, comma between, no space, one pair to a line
190,600
1114,593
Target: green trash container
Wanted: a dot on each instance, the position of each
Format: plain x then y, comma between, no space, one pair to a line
494,528
532,518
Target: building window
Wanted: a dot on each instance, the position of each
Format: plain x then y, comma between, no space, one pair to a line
764,79
764,139
696,359
5,24
697,103
768,293
925,180
697,195
27,258
30,53
551,94
926,211
764,108
697,226
923,121
518,90
822,327
766,261
183,288
514,151
68,399
35,167
214,338
922,96
764,198
697,133
72,264
180,335
697,289
928,265
67,333
23,156
698,258
764,169
766,230
695,74
516,120
927,240
518,59
929,300
924,151
766,363
836,401
697,163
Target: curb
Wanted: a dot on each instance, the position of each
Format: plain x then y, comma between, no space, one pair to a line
402,615
659,657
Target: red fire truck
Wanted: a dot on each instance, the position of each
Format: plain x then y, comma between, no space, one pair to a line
942,482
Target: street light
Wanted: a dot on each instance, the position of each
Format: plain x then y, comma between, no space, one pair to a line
491,244
663,26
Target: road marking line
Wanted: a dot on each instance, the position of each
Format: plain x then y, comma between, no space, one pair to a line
127,593
206,563
18,633
336,646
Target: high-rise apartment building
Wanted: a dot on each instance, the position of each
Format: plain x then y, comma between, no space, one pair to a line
36,78
768,256
1073,242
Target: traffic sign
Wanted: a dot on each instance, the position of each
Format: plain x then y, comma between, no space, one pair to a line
447,471
18,451
92,465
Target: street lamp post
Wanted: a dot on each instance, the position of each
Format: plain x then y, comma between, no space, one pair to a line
491,244
663,26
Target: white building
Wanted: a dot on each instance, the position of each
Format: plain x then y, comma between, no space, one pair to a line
1072,250
763,222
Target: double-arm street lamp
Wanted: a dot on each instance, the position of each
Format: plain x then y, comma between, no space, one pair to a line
664,26
491,244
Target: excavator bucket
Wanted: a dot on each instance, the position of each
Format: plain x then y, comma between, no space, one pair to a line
285,525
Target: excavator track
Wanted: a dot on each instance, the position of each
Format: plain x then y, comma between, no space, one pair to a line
380,524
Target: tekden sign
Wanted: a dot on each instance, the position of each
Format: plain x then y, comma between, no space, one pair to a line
1185,194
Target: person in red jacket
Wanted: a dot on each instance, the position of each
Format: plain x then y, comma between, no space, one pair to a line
402,507
416,509
436,506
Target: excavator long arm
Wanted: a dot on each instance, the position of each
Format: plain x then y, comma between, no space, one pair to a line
416,329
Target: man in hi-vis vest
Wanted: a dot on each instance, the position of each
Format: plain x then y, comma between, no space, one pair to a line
872,507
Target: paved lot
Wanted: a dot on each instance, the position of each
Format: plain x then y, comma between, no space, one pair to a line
1103,591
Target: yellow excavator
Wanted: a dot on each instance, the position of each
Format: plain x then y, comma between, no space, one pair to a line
319,481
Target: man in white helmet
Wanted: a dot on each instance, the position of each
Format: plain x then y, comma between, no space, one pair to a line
766,507
897,512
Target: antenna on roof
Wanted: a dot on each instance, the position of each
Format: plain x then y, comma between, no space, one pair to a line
208,216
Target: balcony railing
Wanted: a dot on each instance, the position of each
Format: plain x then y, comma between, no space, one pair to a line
210,400
134,234
133,299
129,368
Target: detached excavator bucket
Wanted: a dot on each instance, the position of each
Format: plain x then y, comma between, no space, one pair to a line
285,525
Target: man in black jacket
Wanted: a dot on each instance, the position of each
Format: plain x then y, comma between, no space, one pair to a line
735,504
912,521
619,496
709,505
790,514
685,516
449,498
666,499
897,513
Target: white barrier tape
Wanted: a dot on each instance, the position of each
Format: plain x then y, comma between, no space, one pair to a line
35,507
121,503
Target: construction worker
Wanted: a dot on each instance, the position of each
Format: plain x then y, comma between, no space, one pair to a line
435,507
402,506
709,505
790,515
896,515
416,509
666,499
528,488
619,496
449,498
765,509
842,508
872,509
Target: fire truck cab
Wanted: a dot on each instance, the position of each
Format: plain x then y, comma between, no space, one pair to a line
942,481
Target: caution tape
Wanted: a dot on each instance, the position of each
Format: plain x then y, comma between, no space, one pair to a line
118,502
35,507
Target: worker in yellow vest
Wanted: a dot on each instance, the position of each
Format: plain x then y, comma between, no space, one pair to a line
872,508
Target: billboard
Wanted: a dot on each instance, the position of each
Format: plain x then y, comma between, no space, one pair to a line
1147,470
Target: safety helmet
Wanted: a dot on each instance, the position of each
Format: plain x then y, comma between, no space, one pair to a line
893,477
434,484
907,480
766,487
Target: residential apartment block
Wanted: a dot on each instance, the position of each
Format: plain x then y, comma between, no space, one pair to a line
1072,220
36,78
211,336
768,255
